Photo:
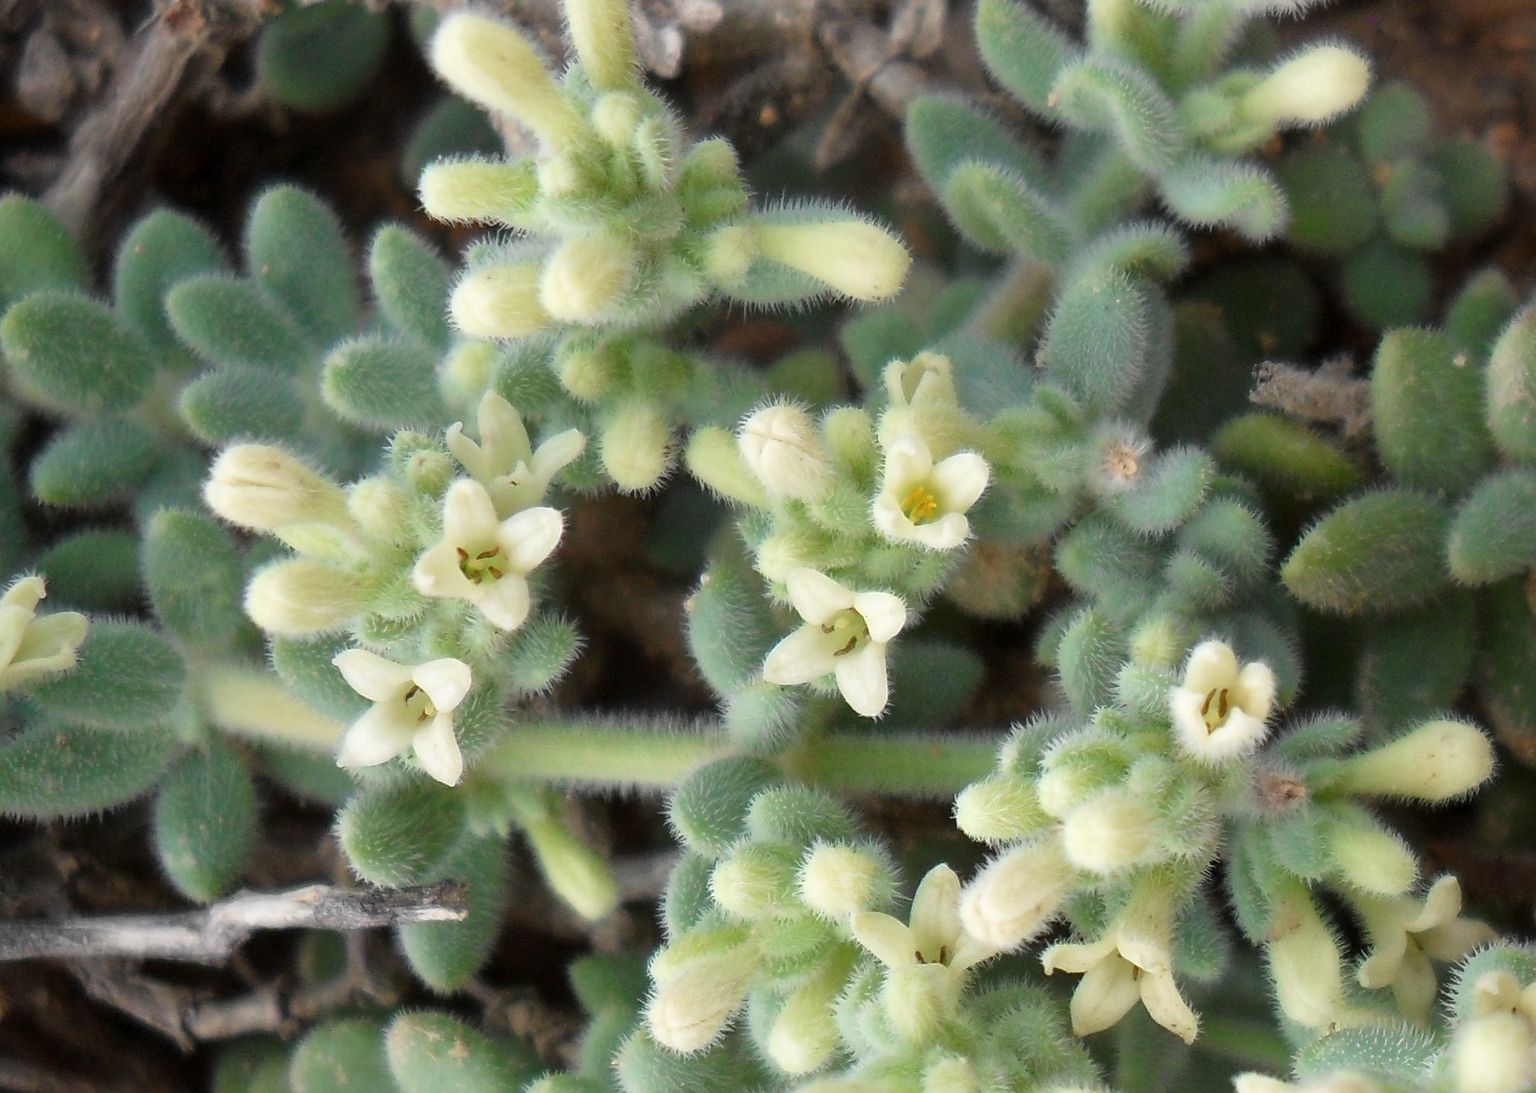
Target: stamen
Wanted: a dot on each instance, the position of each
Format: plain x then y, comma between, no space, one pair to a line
920,505
849,647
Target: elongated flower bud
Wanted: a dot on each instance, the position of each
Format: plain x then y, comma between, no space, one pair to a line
1013,898
1438,761
857,259
491,63
1312,88
499,302
264,488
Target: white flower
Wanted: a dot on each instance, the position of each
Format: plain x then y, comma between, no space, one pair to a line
1219,710
412,708
1406,933
505,462
486,562
1133,961
845,633
32,646
923,502
926,961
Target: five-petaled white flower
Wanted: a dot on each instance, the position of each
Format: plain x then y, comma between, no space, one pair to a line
1133,961
1406,932
504,461
1220,709
31,646
485,561
412,709
927,958
923,502
845,634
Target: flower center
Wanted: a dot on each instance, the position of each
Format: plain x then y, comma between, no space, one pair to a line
846,624
488,563
942,958
419,703
920,505
1214,709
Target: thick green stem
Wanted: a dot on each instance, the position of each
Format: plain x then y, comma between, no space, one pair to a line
650,757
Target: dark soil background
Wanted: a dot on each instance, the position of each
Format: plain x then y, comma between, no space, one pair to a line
108,107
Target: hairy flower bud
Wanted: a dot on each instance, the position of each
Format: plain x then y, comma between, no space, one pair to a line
857,259
783,448
1311,88
499,302
264,488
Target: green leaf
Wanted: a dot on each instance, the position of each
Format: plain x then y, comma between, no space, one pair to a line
1473,186
1286,456
1331,197
1414,666
73,355
1210,192
1022,51
944,131
410,283
1378,552
343,1054
88,466
1411,209
161,249
93,570
37,253
1481,310
321,56
1427,411
239,403
941,678
205,822
1002,213
383,385
436,1053
308,775
1109,96
450,129
194,576
1511,406
729,627
401,833
1395,121
230,322
128,677
54,772
709,810
1387,285
1493,535
304,665
1088,660
1097,342
296,251
1166,493
446,955
1271,309
252,1065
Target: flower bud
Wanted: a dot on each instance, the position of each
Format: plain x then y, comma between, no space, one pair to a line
1438,761
1304,960
1492,1054
1311,88
755,881
264,488
715,460
919,998
951,1074
836,881
780,555
1108,833
303,596
604,42
691,1008
999,809
1373,859
379,506
634,446
491,63
782,446
804,1035
573,870
728,253
499,302
859,260
478,190
1013,898
585,278
466,372
615,116
587,374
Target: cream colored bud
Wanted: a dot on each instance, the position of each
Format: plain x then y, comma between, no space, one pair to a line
1109,832
1311,88
999,809
264,488
303,596
573,870
715,460
780,555
1438,761
615,116
783,448
836,881
690,1009
1373,860
585,278
466,372
857,259
587,374
379,505
635,446
499,302
918,999
728,253
490,62
478,190
1013,898
711,164
604,41
1304,960
753,882
951,1075
1494,1054
804,1035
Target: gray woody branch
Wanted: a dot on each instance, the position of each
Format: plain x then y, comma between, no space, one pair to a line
209,936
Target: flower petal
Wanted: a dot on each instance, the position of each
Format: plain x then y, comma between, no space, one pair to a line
556,453
25,594
529,537
801,657
882,612
446,682
815,596
469,454
1454,940
371,676
862,679
1105,994
1442,903
502,434
1160,994
469,517
49,642
1255,691
936,912
959,481
437,573
437,750
1212,664
945,533
908,463
505,602
888,939
378,736
1075,957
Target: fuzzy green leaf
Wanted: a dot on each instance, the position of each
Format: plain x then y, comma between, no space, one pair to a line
37,253
944,131
1511,407
446,955
52,772
1473,186
1494,533
1387,285
1096,344
1331,198
205,822
73,355
296,251
1209,192
163,248
1024,52
383,385
88,466
1108,96
230,322
709,810
93,570
342,1053
1002,213
236,402
1427,411
401,833
436,1053
1286,456
128,677
410,283
194,577
1378,552
320,57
